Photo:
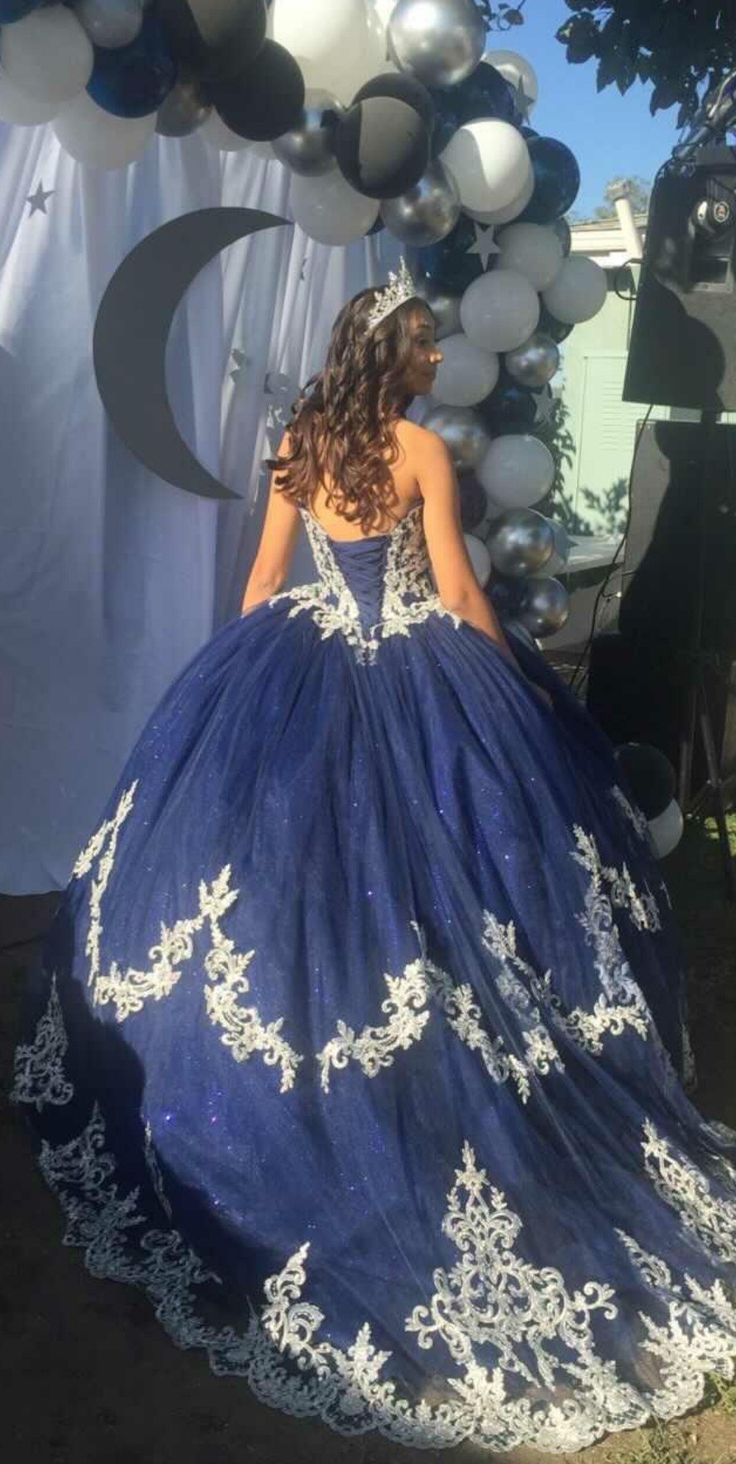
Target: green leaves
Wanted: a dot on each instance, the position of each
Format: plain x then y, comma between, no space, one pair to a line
676,46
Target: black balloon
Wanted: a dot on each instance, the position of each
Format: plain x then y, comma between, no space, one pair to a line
473,501
556,181
236,46
509,407
558,330
650,776
485,93
382,146
402,88
265,98
448,263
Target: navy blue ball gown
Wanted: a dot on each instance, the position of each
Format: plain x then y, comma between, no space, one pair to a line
358,1039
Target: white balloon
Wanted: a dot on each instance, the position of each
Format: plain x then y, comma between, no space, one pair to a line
466,373
499,310
534,251
517,470
47,54
328,38
490,162
18,107
110,23
329,210
515,69
511,211
99,139
579,291
666,830
479,558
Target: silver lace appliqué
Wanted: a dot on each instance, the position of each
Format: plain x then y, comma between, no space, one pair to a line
528,1323
408,594
39,1065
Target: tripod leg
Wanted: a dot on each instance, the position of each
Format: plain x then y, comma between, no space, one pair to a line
716,789
687,744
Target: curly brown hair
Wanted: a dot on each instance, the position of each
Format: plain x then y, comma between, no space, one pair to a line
343,425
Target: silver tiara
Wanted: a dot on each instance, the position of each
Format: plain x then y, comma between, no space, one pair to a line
399,289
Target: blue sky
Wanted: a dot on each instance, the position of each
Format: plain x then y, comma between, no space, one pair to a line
610,135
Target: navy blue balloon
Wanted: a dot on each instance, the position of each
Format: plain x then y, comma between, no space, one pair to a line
508,408
11,10
448,263
556,181
133,80
485,93
558,330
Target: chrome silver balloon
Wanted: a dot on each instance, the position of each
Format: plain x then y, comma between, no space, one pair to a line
183,110
534,362
307,149
445,309
521,542
440,41
545,607
428,212
463,432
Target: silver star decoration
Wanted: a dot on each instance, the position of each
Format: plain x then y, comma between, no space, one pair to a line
545,404
241,360
485,244
522,100
283,391
37,200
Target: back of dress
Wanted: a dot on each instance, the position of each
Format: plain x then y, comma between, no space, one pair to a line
371,588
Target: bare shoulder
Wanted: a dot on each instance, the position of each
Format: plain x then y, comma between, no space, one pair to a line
420,442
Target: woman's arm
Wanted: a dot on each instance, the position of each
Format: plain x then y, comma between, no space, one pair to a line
456,580
275,551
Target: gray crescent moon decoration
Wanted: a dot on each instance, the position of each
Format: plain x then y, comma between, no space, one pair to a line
132,329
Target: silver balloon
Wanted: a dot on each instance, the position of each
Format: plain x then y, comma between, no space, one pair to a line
440,41
445,309
521,542
307,148
534,362
110,23
183,110
428,212
545,607
463,432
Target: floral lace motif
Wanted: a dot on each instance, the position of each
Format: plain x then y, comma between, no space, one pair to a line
408,596
537,1329
686,1189
634,815
39,1065
406,1006
243,1031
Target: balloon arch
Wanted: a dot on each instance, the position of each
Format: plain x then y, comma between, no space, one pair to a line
389,115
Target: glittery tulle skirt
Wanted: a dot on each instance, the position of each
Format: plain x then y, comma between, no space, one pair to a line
357,1042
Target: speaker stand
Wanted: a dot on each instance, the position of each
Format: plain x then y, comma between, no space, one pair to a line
716,791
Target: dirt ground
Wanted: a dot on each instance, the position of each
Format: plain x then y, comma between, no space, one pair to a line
89,1376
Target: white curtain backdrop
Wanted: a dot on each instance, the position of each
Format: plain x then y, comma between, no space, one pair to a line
110,578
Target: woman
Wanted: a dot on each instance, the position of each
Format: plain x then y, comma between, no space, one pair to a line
358,1036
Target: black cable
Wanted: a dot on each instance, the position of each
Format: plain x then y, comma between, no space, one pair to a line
619,547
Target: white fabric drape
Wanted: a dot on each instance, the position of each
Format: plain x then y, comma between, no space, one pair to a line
110,578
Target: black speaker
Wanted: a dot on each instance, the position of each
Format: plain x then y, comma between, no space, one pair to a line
678,607
682,351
